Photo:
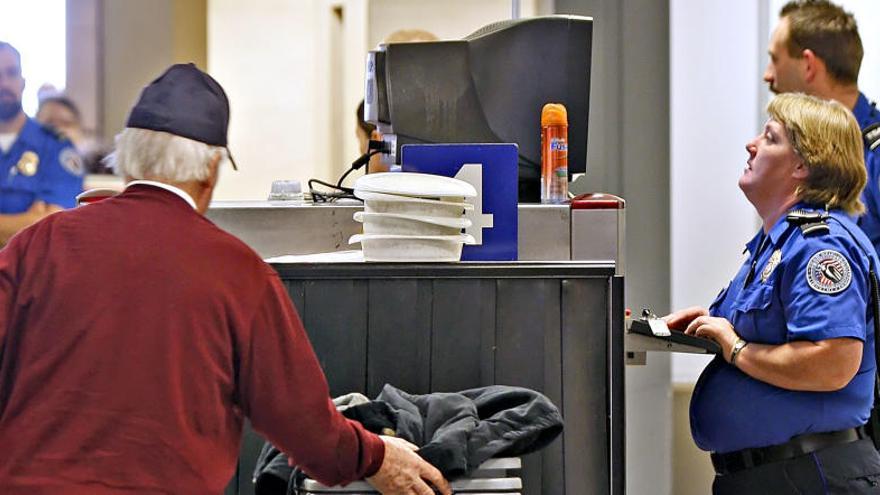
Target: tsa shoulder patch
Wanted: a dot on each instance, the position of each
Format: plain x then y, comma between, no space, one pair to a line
71,161
828,272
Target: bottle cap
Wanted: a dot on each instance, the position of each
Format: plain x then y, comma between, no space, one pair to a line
554,114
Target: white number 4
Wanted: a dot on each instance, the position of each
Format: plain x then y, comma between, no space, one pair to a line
472,173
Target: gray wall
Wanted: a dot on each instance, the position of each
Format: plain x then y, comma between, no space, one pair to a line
629,155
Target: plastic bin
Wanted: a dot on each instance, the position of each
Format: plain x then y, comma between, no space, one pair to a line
493,477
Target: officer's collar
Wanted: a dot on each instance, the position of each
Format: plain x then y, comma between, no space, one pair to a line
753,244
863,110
779,227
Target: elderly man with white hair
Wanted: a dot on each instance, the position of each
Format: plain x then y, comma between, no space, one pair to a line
136,336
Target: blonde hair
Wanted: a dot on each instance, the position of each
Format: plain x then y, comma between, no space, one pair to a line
826,136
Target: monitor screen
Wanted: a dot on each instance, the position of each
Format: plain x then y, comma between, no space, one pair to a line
487,88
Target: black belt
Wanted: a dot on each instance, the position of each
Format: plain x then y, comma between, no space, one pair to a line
797,446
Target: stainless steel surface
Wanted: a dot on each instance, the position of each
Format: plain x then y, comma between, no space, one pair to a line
599,235
274,230
546,232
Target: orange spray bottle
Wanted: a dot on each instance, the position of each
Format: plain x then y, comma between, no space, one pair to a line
554,154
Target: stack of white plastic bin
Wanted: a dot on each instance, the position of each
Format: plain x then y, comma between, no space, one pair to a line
413,217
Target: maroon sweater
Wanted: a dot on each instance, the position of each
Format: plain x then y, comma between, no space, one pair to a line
135,336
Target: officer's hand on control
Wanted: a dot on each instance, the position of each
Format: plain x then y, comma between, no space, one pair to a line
403,472
679,320
718,329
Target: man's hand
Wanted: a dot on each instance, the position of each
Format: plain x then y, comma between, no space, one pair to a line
718,329
680,319
403,472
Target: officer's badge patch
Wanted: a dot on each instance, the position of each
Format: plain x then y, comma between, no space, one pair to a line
828,272
71,161
772,263
28,163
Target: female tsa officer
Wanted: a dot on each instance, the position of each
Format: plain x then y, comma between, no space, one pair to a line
782,408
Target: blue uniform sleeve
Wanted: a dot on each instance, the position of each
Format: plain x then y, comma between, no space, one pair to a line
62,175
825,290
870,220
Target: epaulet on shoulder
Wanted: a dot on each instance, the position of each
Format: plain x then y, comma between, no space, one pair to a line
810,222
872,136
55,133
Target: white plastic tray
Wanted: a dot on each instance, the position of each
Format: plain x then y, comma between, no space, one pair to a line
478,483
419,209
387,247
496,486
394,223
395,198
413,184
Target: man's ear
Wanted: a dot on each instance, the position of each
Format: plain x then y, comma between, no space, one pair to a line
207,185
812,66
213,171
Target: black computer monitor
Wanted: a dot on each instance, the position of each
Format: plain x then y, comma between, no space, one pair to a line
489,87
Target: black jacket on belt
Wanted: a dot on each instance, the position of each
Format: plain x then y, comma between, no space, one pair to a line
456,432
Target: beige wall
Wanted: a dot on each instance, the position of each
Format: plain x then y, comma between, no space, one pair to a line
268,56
189,19
449,19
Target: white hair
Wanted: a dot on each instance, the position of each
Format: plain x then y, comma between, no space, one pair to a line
142,154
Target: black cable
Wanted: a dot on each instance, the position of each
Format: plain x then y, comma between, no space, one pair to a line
373,148
355,165
327,197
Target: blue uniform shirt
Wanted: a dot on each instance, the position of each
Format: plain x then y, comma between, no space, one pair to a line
39,166
867,114
788,299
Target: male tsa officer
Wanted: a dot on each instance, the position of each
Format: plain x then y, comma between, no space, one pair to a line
40,173
816,49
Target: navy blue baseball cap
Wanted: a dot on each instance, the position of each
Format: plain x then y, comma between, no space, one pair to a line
186,102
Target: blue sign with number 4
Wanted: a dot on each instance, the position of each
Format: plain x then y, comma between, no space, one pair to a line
492,169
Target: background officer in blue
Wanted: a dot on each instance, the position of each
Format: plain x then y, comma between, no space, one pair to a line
782,408
40,173
816,49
